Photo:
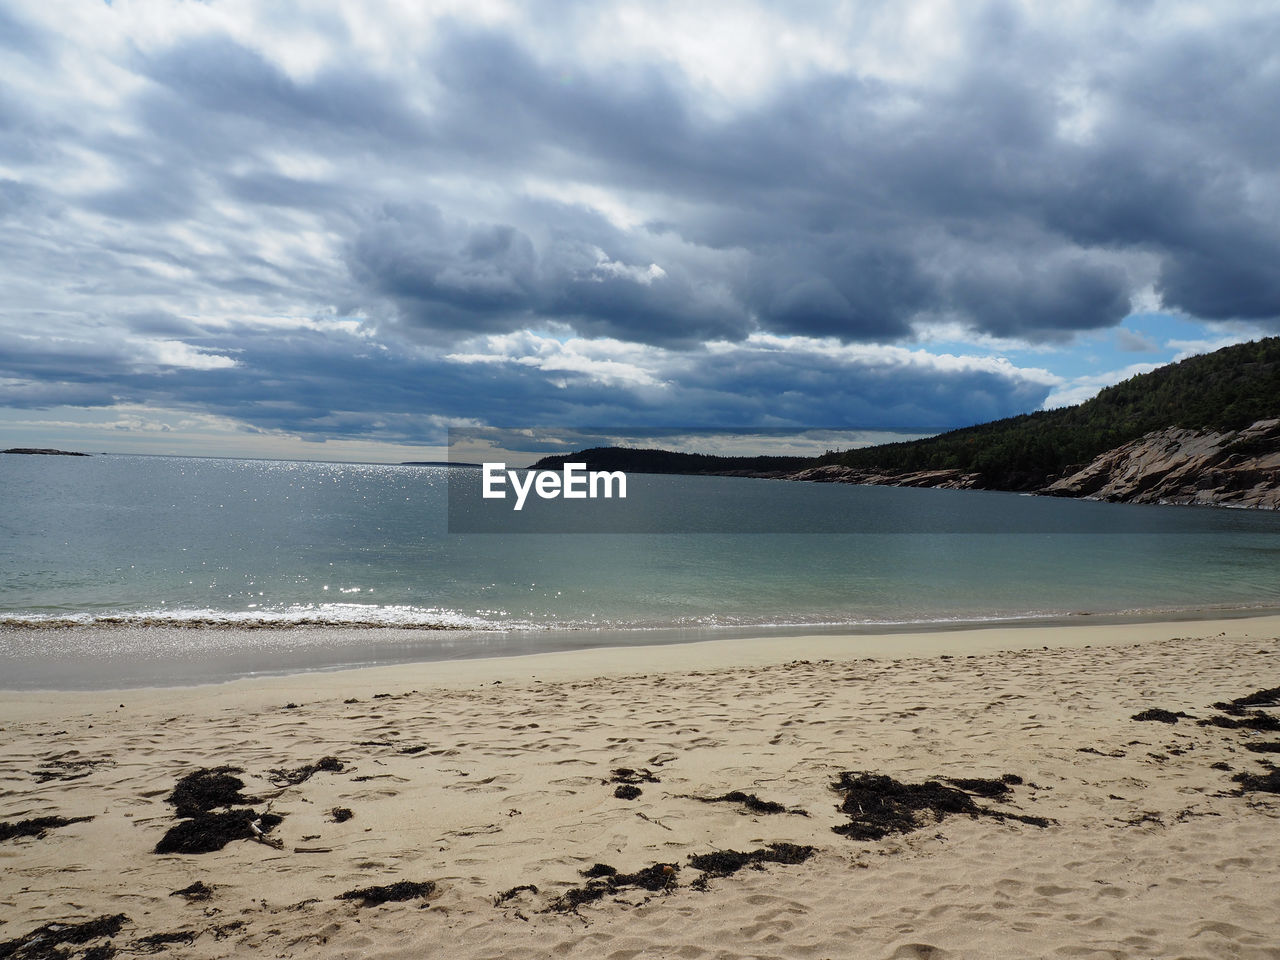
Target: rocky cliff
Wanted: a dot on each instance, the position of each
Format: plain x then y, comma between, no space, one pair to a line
1238,468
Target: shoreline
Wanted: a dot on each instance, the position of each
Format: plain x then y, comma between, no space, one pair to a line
485,787
719,653
239,655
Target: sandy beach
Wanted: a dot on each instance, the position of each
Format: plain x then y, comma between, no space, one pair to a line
1054,824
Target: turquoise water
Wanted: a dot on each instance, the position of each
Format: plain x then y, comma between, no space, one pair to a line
181,540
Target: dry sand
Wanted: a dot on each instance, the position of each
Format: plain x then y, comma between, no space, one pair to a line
1153,853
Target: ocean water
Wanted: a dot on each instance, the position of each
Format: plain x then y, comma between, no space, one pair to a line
143,541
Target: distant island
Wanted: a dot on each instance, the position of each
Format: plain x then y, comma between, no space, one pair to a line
1205,431
435,463
45,452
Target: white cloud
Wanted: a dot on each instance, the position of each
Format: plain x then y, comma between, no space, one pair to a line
887,355
607,362
1191,348
1080,389
175,353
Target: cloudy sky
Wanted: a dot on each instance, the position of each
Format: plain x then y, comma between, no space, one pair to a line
335,229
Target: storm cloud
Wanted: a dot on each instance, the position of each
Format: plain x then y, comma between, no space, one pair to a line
340,223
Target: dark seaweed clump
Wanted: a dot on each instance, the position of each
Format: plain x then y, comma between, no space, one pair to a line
158,941
722,863
42,942
1269,697
1264,746
283,777
986,787
392,892
201,830
209,787
208,832
341,814
1268,782
1241,719
627,779
195,893
660,876
506,895
35,827
878,805
752,803
604,880
1160,716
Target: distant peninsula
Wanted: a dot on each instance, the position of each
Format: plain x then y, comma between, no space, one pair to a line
435,463
1202,431
45,452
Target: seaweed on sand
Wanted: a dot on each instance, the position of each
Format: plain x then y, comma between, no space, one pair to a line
878,805
723,863
1268,782
209,787
283,777
158,941
1160,716
36,826
392,892
341,814
506,895
660,876
751,803
1263,746
207,832
67,766
201,830
1241,719
42,942
986,787
627,780
197,892
1270,697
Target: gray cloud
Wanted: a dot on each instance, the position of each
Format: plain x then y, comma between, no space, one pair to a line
460,278
339,220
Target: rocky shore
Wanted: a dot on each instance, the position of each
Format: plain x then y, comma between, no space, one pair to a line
1239,468
1234,468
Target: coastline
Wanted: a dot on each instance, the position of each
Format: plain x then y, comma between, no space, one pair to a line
121,657
482,776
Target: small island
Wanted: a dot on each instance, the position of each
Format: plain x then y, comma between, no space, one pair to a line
436,463
45,452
